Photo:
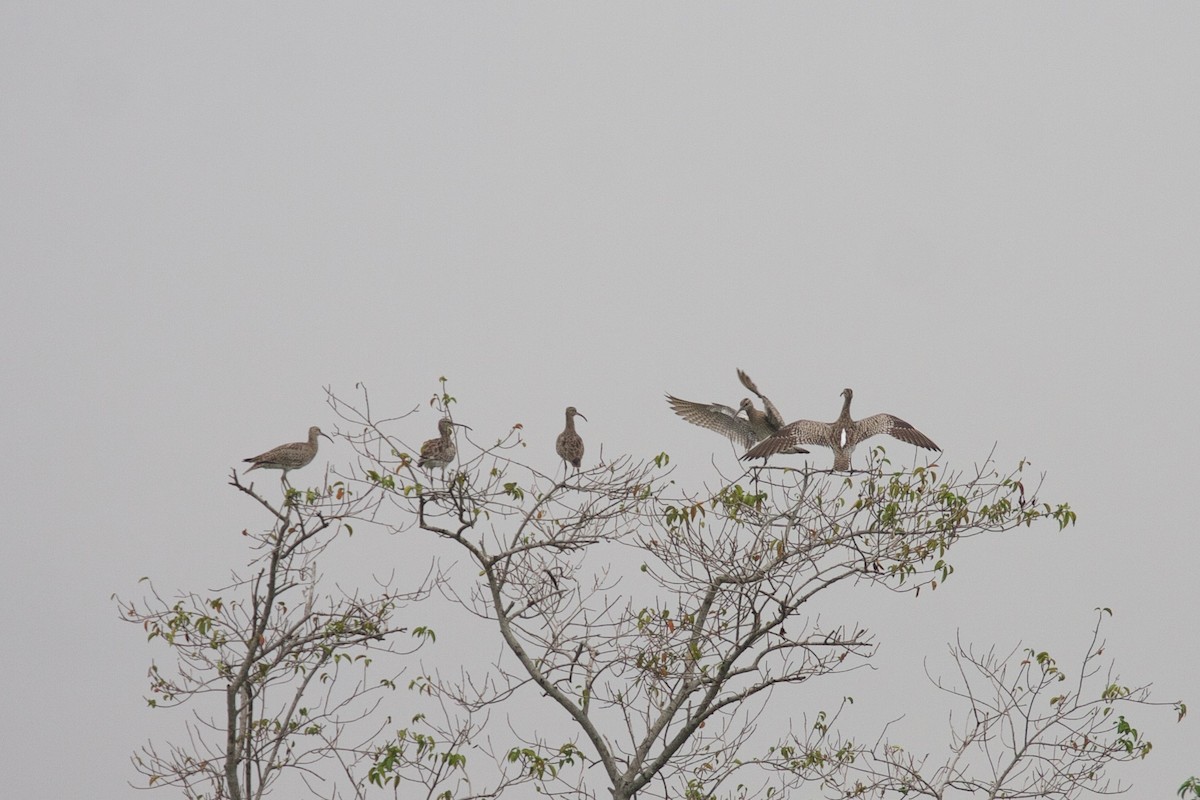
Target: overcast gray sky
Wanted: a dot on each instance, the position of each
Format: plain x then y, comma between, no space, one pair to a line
983,220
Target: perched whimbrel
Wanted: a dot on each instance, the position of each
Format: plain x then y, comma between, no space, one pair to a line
288,457
441,451
569,444
841,435
757,425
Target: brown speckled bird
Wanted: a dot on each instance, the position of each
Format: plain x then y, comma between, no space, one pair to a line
288,457
744,433
441,451
841,435
570,444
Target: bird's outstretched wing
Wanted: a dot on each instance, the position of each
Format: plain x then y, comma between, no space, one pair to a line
789,438
716,417
773,416
894,426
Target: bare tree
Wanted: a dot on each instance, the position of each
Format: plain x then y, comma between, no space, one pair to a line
643,635
661,623
289,660
1023,728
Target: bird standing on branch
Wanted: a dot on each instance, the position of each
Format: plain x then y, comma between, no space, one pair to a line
569,444
288,457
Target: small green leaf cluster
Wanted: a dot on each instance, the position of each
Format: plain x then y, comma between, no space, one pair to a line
183,623
410,748
1130,740
734,500
680,516
536,765
383,481
442,400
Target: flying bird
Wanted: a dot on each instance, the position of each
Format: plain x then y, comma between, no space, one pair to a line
569,444
841,435
756,426
288,457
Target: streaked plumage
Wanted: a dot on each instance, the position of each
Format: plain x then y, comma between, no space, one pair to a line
288,457
441,451
569,444
770,419
756,426
841,435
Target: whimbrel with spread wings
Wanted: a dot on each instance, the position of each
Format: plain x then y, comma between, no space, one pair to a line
744,433
841,435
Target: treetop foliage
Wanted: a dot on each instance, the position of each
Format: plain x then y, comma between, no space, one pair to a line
655,627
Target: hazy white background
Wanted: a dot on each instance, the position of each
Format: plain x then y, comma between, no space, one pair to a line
984,220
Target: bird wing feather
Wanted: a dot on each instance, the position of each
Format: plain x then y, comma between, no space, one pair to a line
805,431
790,437
749,384
896,427
569,447
292,455
715,417
774,418
773,415
278,453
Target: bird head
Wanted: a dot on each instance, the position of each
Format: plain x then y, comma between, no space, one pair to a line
848,393
446,425
571,412
746,405
314,432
